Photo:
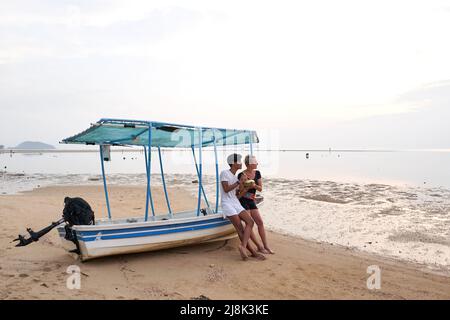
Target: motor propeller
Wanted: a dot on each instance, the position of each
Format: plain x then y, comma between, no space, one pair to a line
34,236
76,212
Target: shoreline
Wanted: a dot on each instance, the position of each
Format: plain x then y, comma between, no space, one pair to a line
300,269
423,267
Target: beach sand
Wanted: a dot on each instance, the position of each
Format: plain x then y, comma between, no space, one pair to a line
299,270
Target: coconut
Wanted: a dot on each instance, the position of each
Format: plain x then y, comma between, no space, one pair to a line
249,183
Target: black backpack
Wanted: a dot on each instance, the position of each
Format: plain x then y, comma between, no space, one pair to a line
78,212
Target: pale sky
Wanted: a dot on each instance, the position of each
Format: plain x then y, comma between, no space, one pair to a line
317,74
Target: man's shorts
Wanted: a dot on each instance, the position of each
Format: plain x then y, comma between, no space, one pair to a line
231,208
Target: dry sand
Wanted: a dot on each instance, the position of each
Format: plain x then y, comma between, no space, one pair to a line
299,270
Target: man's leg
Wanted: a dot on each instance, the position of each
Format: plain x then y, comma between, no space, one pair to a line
236,221
249,223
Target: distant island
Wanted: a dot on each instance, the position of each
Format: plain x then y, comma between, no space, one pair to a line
33,145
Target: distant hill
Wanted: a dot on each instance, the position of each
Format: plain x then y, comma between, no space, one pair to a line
33,145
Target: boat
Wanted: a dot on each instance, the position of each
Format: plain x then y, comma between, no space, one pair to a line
149,232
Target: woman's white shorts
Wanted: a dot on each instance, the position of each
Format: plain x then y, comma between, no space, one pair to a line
231,208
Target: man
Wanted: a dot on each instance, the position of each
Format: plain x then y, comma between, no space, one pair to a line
232,208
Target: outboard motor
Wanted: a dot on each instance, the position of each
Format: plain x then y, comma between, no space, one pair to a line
76,212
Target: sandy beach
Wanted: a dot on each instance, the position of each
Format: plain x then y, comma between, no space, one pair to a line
299,270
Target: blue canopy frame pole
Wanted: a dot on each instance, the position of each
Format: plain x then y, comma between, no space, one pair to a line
164,181
217,171
148,162
104,182
198,176
200,185
251,143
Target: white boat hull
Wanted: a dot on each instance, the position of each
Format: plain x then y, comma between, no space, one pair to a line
134,235
121,237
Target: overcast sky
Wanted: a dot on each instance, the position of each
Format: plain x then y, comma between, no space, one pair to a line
315,74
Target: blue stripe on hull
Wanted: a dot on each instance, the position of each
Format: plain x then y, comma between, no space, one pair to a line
149,227
150,233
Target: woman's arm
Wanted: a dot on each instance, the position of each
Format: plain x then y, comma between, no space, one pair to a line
259,185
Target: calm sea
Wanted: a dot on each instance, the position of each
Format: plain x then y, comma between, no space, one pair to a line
413,168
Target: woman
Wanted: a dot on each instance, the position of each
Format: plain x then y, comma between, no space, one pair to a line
247,197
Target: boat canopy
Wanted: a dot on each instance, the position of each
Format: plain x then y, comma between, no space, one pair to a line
118,132
148,134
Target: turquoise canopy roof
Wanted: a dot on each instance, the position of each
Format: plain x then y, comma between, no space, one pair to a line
120,132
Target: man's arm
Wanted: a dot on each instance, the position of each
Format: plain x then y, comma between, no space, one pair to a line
227,188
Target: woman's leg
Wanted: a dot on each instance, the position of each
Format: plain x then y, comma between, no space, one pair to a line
261,230
258,244
255,240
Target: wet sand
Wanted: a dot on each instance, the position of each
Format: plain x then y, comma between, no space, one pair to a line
299,270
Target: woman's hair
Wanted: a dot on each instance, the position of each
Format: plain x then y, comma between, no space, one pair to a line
249,159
